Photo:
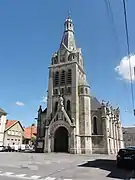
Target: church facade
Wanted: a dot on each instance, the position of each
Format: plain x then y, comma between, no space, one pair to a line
74,121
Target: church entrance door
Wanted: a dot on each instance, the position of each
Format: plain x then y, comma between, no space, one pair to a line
61,140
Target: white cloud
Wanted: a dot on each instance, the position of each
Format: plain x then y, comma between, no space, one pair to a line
19,103
44,99
123,69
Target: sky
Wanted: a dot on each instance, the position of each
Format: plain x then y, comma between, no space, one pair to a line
31,31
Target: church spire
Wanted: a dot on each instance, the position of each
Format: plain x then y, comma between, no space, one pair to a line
68,40
68,25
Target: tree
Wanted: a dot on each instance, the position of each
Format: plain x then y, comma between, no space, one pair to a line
33,139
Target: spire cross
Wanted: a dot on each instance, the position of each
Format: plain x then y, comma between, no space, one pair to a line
69,14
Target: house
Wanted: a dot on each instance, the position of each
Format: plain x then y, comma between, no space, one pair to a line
13,133
129,136
2,125
30,134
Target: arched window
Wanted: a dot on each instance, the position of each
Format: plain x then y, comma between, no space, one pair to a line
86,90
55,91
55,60
62,90
63,77
95,125
70,57
56,106
69,76
64,102
82,91
68,90
62,59
56,79
68,106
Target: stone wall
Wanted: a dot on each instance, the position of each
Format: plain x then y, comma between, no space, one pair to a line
98,144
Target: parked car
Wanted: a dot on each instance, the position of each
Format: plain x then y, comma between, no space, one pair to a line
29,148
2,148
8,149
21,148
126,158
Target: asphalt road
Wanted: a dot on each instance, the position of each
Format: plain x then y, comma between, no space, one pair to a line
59,167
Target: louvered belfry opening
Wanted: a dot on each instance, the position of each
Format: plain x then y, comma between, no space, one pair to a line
69,76
56,81
63,77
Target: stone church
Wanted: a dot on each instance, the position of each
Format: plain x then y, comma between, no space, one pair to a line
75,121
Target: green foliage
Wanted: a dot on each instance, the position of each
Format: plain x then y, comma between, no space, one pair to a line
33,139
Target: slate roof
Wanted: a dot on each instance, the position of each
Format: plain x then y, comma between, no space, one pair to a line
45,111
95,104
129,130
2,111
68,38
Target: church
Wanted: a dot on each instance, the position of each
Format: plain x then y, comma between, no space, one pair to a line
75,121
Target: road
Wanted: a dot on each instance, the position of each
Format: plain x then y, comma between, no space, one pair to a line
34,166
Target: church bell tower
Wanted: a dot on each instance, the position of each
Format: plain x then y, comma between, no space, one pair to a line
68,103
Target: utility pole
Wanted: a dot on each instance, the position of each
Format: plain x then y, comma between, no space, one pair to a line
134,79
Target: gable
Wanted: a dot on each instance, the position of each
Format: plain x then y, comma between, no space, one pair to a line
16,126
95,104
61,114
10,123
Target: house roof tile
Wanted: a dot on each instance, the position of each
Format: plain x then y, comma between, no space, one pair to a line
29,132
10,123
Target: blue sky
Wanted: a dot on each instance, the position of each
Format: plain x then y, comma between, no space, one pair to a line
31,31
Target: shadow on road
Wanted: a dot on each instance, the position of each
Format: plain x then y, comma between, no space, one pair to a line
109,165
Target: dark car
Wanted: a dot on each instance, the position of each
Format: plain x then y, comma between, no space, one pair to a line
126,158
2,148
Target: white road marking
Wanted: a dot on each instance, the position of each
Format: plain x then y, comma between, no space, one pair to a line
49,178
20,175
35,177
8,173
24,176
